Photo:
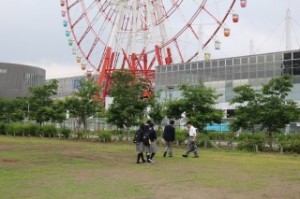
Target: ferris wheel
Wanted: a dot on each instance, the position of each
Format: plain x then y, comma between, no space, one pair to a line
138,35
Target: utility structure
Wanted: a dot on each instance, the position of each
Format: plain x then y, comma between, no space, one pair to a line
138,35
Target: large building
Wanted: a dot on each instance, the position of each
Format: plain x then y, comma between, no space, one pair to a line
225,74
16,79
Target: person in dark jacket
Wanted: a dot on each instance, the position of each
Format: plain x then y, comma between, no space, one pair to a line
153,146
169,137
139,143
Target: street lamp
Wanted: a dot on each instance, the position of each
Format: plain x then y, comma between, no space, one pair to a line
28,110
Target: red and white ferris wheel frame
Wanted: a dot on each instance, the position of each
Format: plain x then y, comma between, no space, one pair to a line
141,34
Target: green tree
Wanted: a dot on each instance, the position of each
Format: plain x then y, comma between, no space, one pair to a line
198,104
128,107
157,110
268,107
11,110
40,102
59,111
84,103
245,116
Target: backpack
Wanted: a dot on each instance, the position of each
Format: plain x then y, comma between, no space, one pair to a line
138,136
146,137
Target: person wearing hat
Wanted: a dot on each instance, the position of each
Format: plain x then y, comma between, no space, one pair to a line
192,147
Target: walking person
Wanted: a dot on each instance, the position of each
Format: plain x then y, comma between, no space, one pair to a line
192,147
169,137
153,146
139,144
146,142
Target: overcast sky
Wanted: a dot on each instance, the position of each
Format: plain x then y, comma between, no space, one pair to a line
31,32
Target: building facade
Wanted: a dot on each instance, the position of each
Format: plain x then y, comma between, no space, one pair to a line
16,79
225,74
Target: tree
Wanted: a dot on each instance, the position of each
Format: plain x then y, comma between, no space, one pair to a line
128,107
245,116
41,102
11,110
84,104
157,111
59,112
268,107
198,104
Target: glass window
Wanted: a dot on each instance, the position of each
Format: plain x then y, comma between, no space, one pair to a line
269,73
287,56
163,68
287,64
214,70
229,69
245,60
261,59
260,66
252,75
181,67
221,76
201,71
175,67
253,60
207,71
296,63
214,63
270,57
244,68
221,69
221,62
296,71
296,55
207,64
228,76
200,64
169,68
228,62
269,65
287,71
245,75
237,69
237,61
260,74
194,66
237,76
278,56
187,66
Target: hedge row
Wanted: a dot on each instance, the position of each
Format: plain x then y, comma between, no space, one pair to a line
245,141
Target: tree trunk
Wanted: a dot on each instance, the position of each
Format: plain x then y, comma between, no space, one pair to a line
270,132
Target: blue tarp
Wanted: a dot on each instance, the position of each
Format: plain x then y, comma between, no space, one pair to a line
223,127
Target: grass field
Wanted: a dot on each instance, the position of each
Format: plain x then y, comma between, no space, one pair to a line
50,168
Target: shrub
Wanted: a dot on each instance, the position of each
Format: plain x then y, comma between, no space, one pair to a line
2,129
65,132
15,129
30,129
203,140
48,130
181,135
248,141
293,147
105,136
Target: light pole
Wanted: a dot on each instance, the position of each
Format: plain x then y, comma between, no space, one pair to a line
28,111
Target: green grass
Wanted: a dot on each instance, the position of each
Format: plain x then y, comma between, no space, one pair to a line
50,168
